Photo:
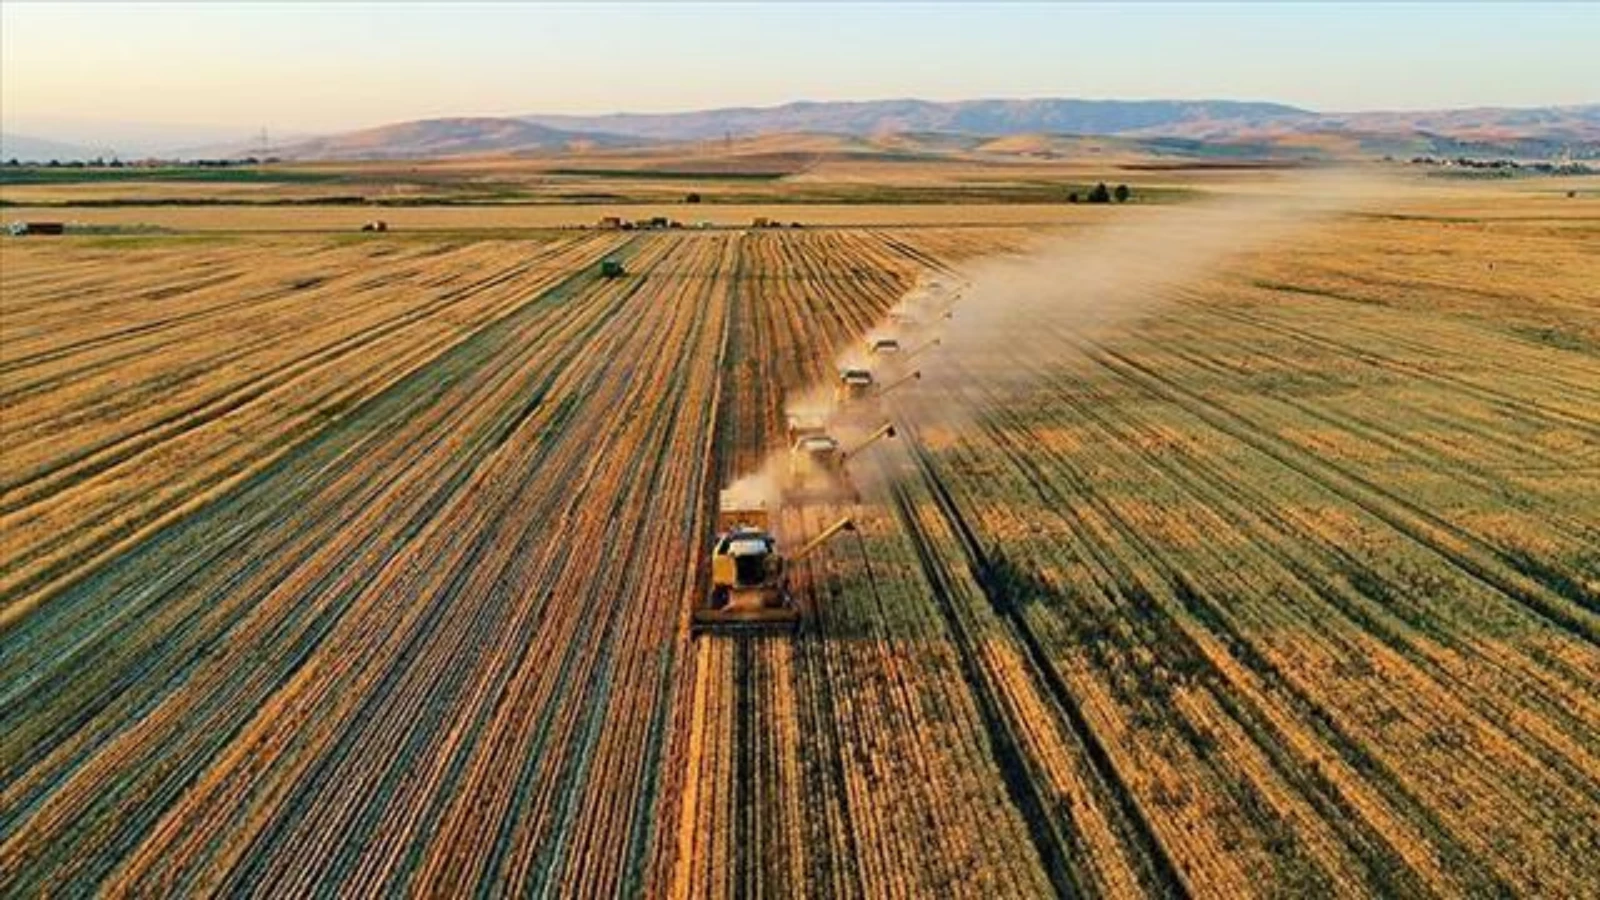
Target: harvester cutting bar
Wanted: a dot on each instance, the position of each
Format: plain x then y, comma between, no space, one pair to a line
773,620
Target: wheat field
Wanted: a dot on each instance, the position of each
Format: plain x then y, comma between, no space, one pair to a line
365,561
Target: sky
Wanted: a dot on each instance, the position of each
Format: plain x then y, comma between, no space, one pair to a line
305,68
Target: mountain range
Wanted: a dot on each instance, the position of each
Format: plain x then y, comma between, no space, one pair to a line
430,138
977,117
1171,127
25,146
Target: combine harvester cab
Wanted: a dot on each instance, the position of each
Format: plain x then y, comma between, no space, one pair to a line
749,585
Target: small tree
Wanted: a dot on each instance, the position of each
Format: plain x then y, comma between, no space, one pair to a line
1100,194
1121,193
1072,197
692,198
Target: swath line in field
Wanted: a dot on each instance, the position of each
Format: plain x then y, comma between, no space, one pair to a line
1160,871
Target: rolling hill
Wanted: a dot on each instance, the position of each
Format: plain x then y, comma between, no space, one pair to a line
1160,127
34,149
981,117
449,137
1050,127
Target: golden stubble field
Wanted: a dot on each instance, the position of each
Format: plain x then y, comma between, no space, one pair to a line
365,561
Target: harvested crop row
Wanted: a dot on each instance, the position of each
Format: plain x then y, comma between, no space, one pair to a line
824,832
1163,609
307,621
1229,633
1162,536
429,642
204,414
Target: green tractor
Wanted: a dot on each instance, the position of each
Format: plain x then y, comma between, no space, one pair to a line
611,268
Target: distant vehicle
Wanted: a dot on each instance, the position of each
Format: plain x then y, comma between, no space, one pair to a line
18,229
611,268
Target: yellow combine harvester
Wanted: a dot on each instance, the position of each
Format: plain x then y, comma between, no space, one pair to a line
858,391
884,346
857,384
749,582
817,463
854,384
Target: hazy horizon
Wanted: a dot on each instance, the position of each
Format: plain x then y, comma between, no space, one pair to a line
232,69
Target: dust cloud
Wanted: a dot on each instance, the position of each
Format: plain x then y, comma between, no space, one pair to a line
996,331
1022,317
759,488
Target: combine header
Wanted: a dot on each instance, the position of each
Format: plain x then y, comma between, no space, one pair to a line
749,582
